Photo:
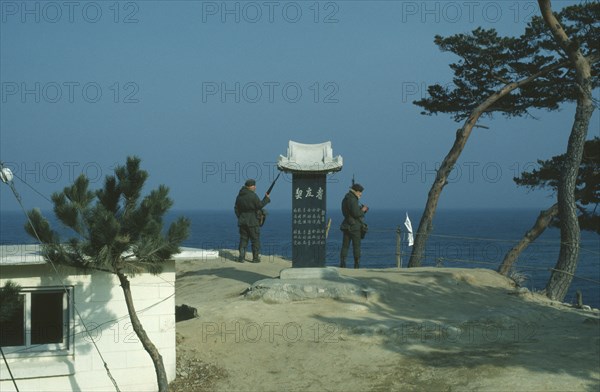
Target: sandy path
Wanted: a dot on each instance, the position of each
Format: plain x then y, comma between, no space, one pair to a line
431,329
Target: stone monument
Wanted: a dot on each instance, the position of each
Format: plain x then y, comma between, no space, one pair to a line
309,165
309,278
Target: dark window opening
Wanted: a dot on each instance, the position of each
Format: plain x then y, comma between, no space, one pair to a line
12,324
46,318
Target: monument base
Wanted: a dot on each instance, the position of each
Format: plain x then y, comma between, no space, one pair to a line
297,284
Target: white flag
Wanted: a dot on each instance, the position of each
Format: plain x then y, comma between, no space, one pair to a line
409,228
6,175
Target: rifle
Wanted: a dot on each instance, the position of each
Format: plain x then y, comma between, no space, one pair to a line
273,184
361,205
262,214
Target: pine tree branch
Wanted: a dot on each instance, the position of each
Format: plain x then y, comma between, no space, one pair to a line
498,78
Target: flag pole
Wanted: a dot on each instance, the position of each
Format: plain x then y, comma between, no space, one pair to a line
398,247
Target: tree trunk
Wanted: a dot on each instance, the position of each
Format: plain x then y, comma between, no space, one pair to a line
161,374
538,228
562,274
462,135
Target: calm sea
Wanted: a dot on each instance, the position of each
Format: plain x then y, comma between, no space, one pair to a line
460,238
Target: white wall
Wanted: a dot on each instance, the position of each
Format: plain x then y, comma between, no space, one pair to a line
100,302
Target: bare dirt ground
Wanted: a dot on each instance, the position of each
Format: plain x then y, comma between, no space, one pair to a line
431,329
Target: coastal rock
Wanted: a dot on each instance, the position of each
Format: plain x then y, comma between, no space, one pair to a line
297,284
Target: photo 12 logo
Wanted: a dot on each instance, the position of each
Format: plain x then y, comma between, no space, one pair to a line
469,171
52,12
54,172
118,332
467,11
468,332
268,331
270,92
412,91
270,11
238,172
22,253
69,92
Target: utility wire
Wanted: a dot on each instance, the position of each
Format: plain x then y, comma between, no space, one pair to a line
381,230
9,372
85,327
50,201
32,188
109,322
18,197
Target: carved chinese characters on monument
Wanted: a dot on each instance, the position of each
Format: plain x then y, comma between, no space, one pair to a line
308,220
309,165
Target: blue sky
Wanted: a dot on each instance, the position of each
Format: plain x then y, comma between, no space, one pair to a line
209,93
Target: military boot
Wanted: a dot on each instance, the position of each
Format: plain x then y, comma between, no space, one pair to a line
356,263
242,256
255,257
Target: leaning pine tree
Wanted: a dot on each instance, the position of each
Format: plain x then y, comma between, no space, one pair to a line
511,76
563,272
587,196
115,231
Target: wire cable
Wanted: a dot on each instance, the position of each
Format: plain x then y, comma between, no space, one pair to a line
9,372
18,197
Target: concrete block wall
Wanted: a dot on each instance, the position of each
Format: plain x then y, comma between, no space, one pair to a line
99,300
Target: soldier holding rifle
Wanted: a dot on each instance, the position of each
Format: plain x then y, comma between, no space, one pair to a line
251,216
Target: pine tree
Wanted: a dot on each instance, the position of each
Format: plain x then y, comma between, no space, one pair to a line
117,231
508,76
547,176
10,301
569,47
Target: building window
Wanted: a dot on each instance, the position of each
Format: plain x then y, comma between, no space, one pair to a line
42,322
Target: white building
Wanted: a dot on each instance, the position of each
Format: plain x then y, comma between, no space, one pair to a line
46,345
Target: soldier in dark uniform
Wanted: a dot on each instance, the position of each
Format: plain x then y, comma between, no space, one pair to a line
353,223
247,209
